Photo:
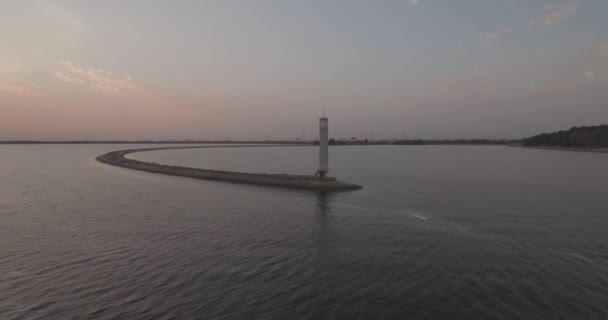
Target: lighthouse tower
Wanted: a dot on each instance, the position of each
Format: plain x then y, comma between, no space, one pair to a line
323,147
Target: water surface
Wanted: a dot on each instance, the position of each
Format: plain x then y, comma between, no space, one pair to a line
438,232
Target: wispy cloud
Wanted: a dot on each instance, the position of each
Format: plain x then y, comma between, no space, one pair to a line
488,37
550,15
20,89
14,83
604,49
412,2
99,81
554,14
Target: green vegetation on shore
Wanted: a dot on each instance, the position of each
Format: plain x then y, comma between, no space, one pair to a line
575,137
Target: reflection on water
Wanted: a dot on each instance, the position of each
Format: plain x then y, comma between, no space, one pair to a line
324,228
323,203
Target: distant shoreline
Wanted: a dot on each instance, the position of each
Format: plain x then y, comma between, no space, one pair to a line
594,150
303,182
332,142
154,142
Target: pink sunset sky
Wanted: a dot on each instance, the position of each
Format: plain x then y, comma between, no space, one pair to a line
259,69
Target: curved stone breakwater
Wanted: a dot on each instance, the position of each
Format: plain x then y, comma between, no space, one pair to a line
327,184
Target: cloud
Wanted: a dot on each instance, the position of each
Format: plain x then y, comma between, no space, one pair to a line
99,81
489,37
12,87
554,14
590,75
604,49
551,15
14,81
35,34
412,2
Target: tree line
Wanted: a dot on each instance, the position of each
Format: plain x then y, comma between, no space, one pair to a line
575,137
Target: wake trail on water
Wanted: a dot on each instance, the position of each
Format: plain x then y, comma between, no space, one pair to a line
411,213
424,217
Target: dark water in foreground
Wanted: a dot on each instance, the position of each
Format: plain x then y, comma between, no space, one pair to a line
437,233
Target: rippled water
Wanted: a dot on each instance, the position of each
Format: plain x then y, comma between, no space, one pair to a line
437,233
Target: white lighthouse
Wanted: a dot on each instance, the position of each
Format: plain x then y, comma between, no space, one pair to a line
323,147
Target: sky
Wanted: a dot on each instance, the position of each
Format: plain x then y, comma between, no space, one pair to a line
267,69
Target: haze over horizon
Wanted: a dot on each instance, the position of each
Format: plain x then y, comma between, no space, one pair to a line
140,69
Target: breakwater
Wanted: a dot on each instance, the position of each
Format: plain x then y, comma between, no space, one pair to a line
305,182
